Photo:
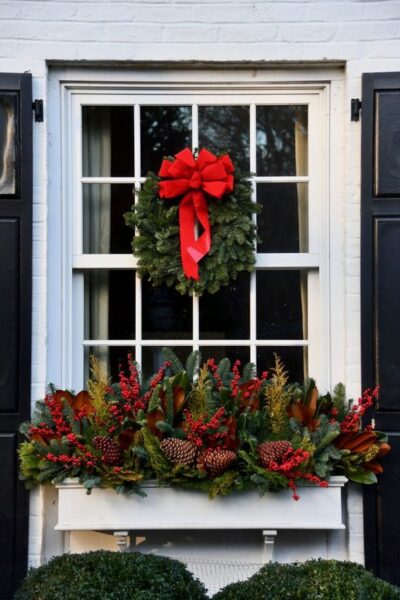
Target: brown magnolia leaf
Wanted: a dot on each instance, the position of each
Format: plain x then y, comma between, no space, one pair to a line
356,441
153,418
126,438
37,437
342,439
179,398
82,400
363,441
62,395
384,448
373,466
232,440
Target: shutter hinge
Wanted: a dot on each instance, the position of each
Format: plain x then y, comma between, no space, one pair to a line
37,107
356,105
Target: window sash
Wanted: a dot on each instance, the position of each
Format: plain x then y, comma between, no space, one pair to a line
313,261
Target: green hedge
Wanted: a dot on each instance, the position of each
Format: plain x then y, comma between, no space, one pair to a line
313,580
111,576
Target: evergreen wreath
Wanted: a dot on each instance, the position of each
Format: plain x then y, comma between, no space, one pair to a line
157,246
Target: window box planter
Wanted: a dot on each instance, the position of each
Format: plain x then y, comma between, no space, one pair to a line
167,508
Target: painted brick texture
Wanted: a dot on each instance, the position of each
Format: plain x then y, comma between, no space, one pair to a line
363,34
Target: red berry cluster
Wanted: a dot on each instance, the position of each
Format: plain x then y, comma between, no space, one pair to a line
204,433
56,411
130,387
352,420
155,381
235,387
213,368
288,467
41,429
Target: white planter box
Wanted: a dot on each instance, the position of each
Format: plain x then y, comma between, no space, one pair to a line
173,508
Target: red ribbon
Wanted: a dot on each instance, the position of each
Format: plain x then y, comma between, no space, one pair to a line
193,178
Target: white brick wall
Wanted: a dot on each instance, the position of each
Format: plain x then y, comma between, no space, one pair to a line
364,34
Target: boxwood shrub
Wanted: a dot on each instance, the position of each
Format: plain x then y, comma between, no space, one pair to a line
111,576
312,580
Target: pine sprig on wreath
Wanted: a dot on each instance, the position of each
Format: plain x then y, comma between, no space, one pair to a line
156,244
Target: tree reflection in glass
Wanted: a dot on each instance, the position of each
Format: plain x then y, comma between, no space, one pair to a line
226,129
165,130
8,138
282,145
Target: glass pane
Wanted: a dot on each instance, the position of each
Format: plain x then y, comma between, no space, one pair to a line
281,305
8,141
234,353
226,129
108,141
282,140
109,305
152,358
104,228
166,314
226,314
111,358
165,130
283,221
294,359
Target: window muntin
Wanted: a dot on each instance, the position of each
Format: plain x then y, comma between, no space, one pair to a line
290,252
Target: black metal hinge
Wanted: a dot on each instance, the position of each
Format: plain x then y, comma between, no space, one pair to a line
356,105
37,107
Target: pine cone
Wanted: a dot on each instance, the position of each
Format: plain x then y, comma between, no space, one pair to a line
273,451
111,451
177,451
217,461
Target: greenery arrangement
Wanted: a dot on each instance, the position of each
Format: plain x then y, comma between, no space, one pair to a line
208,426
313,580
157,241
111,575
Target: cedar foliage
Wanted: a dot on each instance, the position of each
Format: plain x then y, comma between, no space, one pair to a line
157,243
277,398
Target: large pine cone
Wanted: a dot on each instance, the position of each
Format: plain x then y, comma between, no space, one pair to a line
272,451
111,451
177,451
216,461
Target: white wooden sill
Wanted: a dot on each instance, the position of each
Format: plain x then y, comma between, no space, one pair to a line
166,508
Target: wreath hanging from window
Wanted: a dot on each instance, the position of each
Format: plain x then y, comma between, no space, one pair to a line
194,191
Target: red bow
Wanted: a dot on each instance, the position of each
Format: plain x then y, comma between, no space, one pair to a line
194,177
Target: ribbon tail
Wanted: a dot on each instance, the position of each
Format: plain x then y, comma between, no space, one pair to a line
187,219
203,243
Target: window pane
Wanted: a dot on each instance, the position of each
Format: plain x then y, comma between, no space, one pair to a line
282,146
108,141
226,314
234,353
109,305
283,221
294,359
8,141
104,228
152,357
166,313
226,129
165,130
281,305
111,358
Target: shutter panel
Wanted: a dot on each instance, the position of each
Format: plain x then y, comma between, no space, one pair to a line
380,304
15,317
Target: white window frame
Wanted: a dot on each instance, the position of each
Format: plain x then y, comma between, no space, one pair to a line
325,260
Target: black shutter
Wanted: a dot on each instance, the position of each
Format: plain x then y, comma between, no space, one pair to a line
15,317
380,293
